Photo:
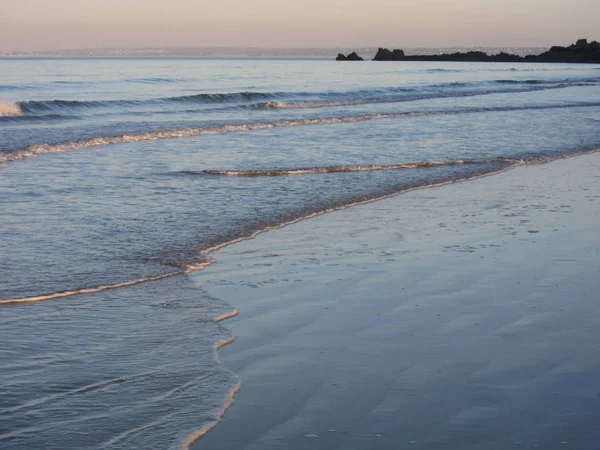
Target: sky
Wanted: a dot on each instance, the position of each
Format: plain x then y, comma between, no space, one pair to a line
70,24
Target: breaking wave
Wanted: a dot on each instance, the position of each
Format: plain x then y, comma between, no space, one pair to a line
42,106
310,104
9,109
226,97
277,100
407,95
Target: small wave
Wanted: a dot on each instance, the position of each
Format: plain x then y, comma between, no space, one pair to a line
76,391
153,80
96,290
8,87
37,106
400,95
342,169
37,118
316,104
522,82
10,109
268,105
553,83
70,82
35,150
444,71
43,106
453,84
233,96
276,100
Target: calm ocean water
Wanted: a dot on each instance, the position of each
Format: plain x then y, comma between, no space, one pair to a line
118,171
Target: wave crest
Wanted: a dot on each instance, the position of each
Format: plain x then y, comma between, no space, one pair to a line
306,100
524,82
220,97
319,104
44,106
10,109
35,150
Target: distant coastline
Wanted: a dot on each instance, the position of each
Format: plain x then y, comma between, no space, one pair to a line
580,52
248,52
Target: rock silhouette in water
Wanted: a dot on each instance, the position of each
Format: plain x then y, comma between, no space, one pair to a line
580,52
351,57
383,54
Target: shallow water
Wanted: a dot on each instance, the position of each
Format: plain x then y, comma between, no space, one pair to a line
114,171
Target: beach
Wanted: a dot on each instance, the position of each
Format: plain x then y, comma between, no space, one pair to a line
215,235
462,316
419,275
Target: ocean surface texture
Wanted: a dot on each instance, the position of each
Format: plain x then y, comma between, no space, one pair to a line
119,176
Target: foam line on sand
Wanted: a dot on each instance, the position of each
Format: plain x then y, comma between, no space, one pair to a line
229,400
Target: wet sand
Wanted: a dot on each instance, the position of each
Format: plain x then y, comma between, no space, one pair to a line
465,316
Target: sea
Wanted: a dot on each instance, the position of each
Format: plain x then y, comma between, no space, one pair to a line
121,176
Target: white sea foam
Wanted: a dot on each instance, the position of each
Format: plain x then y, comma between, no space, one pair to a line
218,416
96,290
317,104
8,109
189,132
226,316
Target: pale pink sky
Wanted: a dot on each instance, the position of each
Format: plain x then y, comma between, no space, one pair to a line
64,24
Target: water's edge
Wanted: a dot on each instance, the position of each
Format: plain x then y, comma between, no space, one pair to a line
207,252
230,399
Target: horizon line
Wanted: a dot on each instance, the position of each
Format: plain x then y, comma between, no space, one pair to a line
367,47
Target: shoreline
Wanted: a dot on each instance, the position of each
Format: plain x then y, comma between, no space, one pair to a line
254,242
206,252
205,264
253,245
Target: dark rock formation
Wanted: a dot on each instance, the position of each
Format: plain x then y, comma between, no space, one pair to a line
506,57
580,52
383,54
397,55
351,57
